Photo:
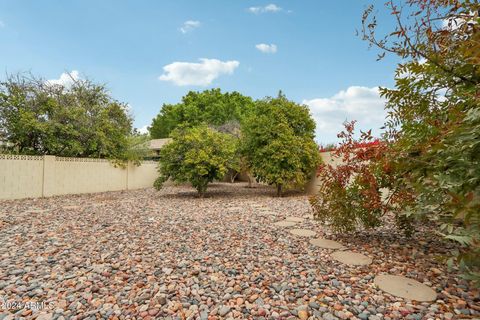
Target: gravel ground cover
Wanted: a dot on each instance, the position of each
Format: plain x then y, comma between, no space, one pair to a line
170,255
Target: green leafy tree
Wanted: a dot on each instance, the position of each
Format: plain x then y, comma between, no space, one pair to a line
211,107
165,122
278,142
434,114
81,120
197,155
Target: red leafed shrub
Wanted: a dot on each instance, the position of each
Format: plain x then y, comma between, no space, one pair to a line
358,190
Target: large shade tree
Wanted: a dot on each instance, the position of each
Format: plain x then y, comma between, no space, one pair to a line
78,120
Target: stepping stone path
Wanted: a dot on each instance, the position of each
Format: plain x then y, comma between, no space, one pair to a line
351,258
326,244
395,285
303,232
294,219
405,288
285,223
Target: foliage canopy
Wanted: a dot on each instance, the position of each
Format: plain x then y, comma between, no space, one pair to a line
211,107
82,120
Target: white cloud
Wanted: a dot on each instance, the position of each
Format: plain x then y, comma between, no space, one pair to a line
66,79
453,24
143,130
189,25
197,74
266,48
356,103
268,8
2,24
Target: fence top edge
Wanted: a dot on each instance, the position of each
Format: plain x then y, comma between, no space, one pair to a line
63,159
19,157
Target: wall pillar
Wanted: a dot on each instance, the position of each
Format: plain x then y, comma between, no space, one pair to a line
48,176
127,172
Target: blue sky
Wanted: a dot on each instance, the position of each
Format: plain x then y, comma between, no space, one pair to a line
153,52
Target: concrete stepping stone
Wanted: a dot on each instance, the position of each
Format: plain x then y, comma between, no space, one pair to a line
303,232
71,207
285,223
37,211
406,288
234,209
294,219
326,244
351,258
270,212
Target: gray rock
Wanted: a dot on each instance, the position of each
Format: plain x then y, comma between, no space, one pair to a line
204,315
167,271
329,316
223,310
16,272
363,316
277,288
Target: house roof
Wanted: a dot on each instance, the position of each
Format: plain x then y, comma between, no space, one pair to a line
157,144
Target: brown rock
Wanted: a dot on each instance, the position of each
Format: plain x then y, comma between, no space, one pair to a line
153,312
303,314
436,271
338,307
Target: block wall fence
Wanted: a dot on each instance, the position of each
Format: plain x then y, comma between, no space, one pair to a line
43,176
313,184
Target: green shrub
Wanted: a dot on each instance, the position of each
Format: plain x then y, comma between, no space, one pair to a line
197,155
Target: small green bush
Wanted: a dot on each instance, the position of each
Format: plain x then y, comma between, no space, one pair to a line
196,155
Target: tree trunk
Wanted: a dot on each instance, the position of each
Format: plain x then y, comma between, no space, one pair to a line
201,190
233,175
279,190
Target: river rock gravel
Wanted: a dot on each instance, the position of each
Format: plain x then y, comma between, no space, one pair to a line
146,254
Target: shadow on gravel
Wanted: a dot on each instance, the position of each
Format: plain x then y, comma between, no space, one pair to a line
232,190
